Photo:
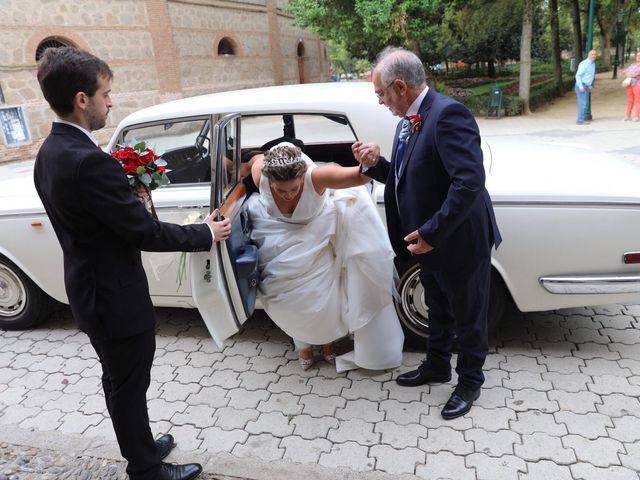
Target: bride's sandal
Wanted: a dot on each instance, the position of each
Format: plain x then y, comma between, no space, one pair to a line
329,354
305,358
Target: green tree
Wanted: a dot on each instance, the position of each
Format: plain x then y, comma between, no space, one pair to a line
578,44
526,40
555,44
365,27
483,31
607,17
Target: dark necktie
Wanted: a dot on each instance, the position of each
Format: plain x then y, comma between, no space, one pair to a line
403,138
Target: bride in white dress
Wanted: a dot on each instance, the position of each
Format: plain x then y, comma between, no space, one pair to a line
325,261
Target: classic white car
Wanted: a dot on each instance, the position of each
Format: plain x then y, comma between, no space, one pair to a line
570,222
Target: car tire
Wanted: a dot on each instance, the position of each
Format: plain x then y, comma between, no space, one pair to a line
22,303
414,313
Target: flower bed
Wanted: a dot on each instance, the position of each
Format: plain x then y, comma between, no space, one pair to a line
458,92
515,87
468,82
542,91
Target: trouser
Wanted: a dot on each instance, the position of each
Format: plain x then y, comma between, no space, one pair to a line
633,99
458,304
126,375
583,98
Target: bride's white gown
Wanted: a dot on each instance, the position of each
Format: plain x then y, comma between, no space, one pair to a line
327,271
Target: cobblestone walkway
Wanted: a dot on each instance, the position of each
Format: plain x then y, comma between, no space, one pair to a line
30,463
560,402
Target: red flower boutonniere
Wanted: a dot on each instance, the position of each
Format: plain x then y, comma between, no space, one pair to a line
416,122
145,171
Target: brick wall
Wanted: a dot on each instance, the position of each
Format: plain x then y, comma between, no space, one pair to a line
159,50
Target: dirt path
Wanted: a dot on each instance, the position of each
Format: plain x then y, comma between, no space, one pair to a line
556,122
608,101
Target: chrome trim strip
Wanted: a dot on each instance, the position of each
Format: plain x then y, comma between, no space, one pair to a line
562,203
592,284
24,213
164,206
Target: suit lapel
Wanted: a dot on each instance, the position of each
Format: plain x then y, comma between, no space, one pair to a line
425,106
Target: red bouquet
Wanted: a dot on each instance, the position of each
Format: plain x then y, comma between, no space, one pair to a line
145,170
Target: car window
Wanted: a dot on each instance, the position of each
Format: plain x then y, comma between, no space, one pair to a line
323,129
183,144
310,128
231,162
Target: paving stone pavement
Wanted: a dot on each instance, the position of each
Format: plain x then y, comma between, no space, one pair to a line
561,401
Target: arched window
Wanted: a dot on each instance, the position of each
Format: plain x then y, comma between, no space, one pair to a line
300,53
300,50
226,46
51,42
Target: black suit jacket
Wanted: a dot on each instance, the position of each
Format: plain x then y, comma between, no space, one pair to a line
441,188
102,227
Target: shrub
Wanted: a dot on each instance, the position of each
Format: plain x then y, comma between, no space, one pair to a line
543,91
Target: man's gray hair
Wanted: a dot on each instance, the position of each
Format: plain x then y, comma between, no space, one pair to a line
397,63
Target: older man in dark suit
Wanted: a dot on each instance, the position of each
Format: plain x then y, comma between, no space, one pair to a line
102,227
438,210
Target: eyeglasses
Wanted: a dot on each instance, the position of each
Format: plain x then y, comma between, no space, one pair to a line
380,93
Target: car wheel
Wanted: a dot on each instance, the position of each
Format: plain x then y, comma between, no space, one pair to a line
414,313
22,303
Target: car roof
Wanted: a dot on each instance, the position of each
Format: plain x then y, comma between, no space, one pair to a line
318,97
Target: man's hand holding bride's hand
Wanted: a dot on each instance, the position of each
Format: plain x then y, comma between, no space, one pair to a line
367,154
221,229
417,244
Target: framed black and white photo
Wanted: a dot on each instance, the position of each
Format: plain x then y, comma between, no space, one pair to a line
14,126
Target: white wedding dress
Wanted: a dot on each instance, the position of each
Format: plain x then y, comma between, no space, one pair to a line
327,271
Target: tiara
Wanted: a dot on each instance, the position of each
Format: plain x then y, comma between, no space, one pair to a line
282,160
282,144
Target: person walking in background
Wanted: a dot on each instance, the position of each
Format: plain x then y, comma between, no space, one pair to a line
439,212
585,76
633,89
101,227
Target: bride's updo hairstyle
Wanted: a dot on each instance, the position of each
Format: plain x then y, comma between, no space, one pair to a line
284,162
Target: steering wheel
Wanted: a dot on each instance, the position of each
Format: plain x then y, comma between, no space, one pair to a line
202,145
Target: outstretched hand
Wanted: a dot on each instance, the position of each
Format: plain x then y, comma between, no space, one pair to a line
367,154
221,228
417,244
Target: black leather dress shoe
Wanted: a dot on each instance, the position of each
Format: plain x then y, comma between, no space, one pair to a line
460,402
187,471
165,444
422,375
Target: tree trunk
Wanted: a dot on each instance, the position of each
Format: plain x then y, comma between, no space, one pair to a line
491,68
555,45
605,39
525,54
578,52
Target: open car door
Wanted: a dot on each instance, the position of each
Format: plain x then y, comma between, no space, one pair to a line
224,281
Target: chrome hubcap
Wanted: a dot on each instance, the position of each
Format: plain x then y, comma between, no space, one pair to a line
413,309
13,295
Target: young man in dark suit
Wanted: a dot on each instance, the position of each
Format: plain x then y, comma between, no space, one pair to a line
439,211
102,227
